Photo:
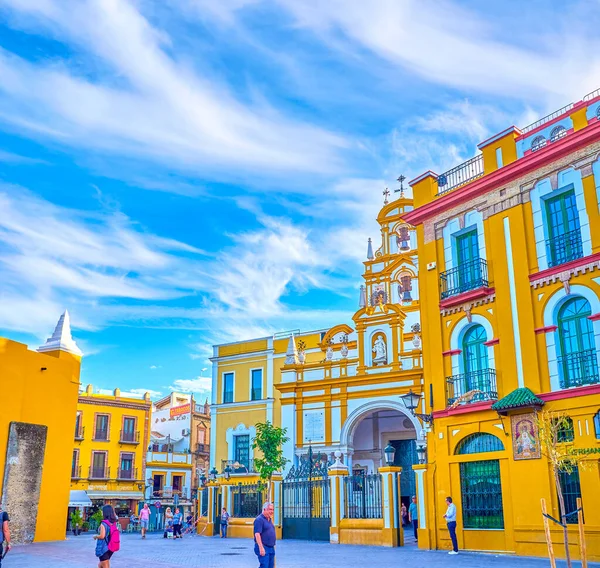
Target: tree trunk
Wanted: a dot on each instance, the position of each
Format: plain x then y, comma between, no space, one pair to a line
563,518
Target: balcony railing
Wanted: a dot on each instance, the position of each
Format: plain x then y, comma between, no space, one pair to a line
127,473
99,472
101,436
129,437
79,433
579,369
475,386
76,472
564,248
170,493
546,119
467,276
202,448
460,175
256,394
237,466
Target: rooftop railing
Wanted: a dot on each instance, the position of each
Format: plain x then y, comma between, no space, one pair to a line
460,175
546,119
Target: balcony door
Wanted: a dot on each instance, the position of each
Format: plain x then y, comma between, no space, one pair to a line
475,358
99,465
578,358
564,232
126,466
241,449
467,259
128,430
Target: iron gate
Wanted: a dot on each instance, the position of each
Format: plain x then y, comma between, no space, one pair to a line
306,505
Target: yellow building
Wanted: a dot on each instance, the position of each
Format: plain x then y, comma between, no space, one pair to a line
111,436
509,251
39,399
333,390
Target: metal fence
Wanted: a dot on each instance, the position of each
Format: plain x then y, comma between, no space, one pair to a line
247,500
481,383
308,498
460,175
204,502
363,496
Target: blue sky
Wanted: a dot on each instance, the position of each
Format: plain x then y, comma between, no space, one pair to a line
189,172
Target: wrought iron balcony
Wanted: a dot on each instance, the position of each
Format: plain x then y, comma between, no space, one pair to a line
76,472
564,248
202,448
101,436
475,386
129,437
460,175
256,394
79,433
238,466
579,369
127,473
467,276
99,472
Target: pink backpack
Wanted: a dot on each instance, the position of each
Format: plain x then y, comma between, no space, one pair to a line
114,537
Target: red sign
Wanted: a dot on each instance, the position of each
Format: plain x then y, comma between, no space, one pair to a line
158,504
179,410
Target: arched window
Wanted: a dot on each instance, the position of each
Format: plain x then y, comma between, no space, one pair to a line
479,443
557,133
477,373
578,361
537,143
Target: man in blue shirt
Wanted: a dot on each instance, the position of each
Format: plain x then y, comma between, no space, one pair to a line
413,516
264,537
450,517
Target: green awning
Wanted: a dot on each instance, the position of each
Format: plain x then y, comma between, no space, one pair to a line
520,398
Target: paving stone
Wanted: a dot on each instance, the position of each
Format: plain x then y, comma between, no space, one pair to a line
156,552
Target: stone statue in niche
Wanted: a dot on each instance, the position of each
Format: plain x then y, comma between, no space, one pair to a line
380,351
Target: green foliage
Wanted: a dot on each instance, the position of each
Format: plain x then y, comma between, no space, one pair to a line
97,516
269,441
76,519
85,526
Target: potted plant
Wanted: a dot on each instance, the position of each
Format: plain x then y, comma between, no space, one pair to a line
76,522
85,526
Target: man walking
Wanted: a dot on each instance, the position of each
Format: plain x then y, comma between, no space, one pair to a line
4,534
413,516
450,517
264,537
144,519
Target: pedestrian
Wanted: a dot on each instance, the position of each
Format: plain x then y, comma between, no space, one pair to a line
108,539
264,537
450,517
4,533
224,522
413,516
168,522
404,514
144,519
177,522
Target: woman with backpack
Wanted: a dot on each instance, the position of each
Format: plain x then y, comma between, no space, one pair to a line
108,539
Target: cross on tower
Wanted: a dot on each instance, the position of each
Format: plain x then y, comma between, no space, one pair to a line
401,178
386,194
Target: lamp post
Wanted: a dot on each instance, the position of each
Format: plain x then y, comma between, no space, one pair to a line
422,453
227,472
213,474
411,400
390,453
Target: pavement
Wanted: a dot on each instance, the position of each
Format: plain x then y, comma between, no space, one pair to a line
214,552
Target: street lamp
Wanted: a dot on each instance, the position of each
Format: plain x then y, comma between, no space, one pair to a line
227,473
411,401
203,479
422,453
213,474
390,453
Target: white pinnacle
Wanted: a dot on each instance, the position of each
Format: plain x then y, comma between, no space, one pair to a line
61,339
291,353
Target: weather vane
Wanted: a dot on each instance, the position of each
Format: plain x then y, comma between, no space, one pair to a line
401,178
386,194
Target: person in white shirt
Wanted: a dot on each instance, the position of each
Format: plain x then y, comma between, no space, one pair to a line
450,517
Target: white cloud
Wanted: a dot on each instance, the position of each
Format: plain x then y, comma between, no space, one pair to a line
145,102
141,392
154,367
197,385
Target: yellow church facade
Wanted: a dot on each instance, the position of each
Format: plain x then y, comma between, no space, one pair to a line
509,258
39,401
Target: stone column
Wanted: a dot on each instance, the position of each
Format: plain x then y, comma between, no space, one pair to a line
337,472
392,534
424,534
212,487
277,498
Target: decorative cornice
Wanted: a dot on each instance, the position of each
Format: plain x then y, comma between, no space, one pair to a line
142,405
564,272
451,352
547,329
491,342
467,297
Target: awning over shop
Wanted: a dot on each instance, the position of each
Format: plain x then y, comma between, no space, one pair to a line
122,495
79,498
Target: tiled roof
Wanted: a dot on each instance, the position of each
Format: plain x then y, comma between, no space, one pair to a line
519,398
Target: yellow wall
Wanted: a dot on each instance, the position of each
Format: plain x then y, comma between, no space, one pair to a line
49,398
117,408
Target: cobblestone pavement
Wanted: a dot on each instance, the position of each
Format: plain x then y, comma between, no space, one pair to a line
155,552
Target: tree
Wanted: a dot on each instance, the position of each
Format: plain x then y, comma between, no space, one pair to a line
554,429
76,521
269,441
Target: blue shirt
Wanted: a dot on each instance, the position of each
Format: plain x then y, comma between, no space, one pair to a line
451,513
264,527
177,518
413,512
